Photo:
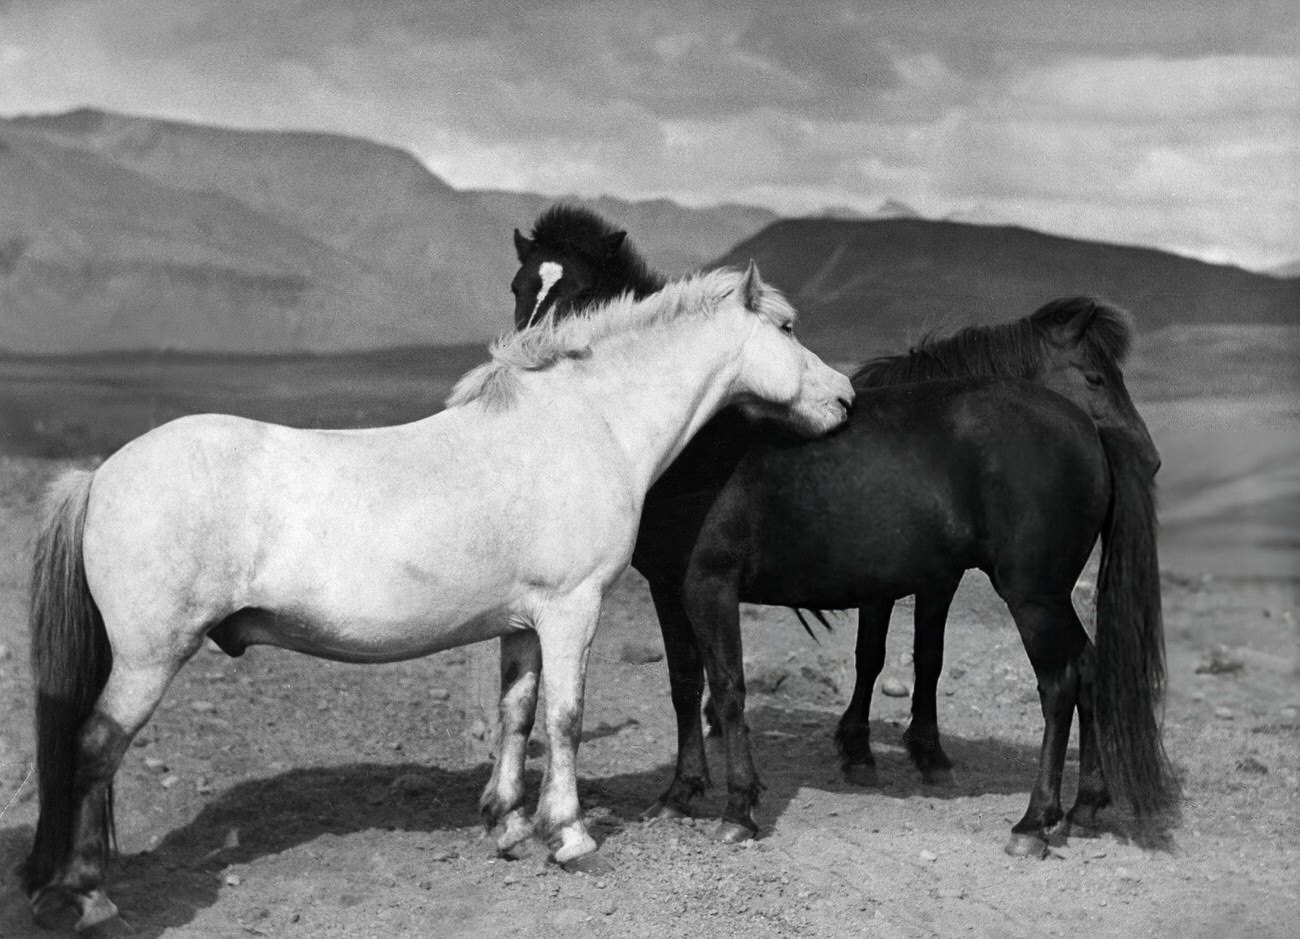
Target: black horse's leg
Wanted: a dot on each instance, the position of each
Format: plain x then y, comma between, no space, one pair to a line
1054,639
713,607
922,735
686,678
1093,795
853,735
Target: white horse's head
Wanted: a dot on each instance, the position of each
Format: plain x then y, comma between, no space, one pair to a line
778,377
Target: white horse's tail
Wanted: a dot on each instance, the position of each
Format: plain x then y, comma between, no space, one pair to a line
71,659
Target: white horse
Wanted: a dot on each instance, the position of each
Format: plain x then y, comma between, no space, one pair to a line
509,514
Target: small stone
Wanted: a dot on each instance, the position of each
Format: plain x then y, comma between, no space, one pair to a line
439,694
170,781
639,653
202,707
927,855
232,880
1221,661
1097,854
894,688
1252,765
1224,714
608,908
950,893
154,765
956,673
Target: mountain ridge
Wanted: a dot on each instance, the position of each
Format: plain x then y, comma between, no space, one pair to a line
120,232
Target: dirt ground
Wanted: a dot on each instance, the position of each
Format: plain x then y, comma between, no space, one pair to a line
278,795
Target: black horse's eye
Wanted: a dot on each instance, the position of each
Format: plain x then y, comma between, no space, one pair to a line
1094,379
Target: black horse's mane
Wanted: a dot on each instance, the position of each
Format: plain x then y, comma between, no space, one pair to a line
574,230
1009,350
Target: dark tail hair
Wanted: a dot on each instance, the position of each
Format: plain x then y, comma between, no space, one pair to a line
1130,680
71,659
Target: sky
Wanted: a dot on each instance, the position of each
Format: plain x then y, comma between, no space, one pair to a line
1170,123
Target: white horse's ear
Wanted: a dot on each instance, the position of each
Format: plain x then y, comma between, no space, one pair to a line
751,287
522,245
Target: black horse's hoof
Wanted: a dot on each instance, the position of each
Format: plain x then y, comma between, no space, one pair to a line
110,928
1023,845
938,776
594,865
664,810
52,908
1083,830
733,833
861,774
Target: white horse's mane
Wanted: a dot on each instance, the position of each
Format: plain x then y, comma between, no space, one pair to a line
553,338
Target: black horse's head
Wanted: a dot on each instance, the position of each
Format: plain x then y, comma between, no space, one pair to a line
1085,344
573,259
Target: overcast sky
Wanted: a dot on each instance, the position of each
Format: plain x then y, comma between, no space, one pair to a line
1173,123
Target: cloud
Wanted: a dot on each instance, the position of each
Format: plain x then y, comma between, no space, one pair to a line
1151,120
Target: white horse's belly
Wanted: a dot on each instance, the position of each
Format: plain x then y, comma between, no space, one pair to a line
355,640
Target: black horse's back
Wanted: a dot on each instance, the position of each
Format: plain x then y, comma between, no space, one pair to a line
927,481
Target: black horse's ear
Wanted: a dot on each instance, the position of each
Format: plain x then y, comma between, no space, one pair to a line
613,242
751,287
1069,330
523,247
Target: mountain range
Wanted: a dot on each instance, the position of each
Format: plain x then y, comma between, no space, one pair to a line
130,233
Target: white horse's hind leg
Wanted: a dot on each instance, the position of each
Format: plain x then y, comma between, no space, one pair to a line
503,798
565,629
128,699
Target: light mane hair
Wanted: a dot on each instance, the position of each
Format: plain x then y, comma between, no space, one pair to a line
553,339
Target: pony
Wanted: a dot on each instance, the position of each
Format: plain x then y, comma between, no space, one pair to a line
575,258
508,514
875,522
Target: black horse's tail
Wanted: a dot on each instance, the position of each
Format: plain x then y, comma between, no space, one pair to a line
71,659
1130,679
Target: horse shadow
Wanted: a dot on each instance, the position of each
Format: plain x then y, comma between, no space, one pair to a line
168,885
794,749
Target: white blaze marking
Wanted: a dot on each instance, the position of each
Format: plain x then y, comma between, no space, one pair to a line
550,273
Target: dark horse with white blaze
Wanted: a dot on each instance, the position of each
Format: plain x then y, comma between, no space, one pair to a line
963,453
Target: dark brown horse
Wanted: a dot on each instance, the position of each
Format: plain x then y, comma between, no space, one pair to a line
928,481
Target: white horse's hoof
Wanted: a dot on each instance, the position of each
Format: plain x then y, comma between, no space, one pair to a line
575,847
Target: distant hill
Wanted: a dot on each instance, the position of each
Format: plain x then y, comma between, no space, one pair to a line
121,232
877,284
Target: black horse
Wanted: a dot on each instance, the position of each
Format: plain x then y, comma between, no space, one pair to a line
928,481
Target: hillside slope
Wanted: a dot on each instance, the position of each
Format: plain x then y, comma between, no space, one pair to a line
877,284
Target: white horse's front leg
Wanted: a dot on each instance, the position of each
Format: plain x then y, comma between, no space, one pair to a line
566,630
503,799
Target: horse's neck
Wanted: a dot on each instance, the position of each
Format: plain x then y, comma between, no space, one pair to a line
656,391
